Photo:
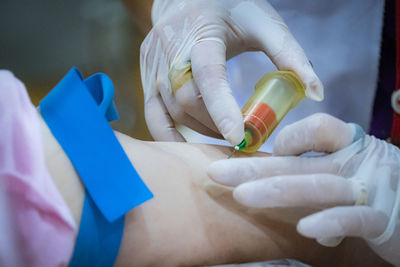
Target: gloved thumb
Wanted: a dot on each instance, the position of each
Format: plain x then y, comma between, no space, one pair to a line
361,221
209,72
274,38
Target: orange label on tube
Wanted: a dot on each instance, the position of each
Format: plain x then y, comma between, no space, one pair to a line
262,116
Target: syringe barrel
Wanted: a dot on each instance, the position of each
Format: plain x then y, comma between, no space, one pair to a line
275,94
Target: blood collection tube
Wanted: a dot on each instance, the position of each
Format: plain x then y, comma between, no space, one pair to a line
275,94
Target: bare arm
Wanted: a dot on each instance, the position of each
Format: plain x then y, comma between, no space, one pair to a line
192,220
141,13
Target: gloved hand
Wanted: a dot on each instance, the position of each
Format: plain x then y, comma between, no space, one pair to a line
193,39
356,184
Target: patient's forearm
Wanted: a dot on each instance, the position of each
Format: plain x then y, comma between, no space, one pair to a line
183,224
192,220
186,225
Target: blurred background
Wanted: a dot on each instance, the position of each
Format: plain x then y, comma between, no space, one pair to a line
41,40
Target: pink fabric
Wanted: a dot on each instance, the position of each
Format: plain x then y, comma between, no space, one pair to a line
41,227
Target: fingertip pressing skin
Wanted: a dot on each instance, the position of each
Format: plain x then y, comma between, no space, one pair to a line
306,227
255,194
360,221
210,78
245,193
222,172
232,172
240,194
217,171
316,226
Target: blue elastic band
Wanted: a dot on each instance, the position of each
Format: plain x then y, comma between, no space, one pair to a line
98,240
77,113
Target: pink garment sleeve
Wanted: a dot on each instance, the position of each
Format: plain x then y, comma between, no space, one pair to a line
40,228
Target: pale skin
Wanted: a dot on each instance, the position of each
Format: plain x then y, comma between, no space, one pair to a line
192,220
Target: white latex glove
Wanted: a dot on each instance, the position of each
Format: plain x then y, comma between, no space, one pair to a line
357,169
273,263
197,37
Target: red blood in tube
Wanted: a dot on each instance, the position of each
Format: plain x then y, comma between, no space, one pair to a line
262,116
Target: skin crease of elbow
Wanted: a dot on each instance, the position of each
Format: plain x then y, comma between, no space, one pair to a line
191,220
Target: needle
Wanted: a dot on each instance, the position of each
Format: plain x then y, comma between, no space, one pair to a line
235,148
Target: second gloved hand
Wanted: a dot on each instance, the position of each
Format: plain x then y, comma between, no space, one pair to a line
193,39
355,185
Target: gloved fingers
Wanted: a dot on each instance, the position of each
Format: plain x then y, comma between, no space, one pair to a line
312,191
318,132
154,76
292,57
189,97
232,172
178,113
361,221
270,263
159,122
209,73
274,38
152,64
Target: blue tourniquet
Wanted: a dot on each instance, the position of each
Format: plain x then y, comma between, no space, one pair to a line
77,112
